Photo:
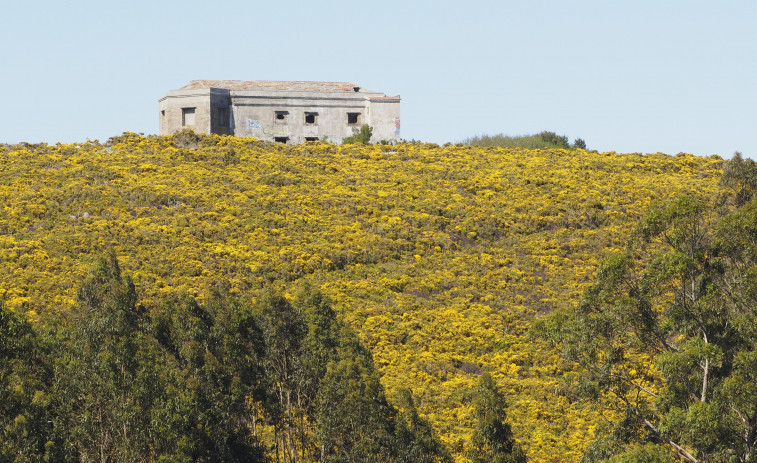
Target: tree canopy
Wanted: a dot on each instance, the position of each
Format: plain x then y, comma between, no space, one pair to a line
667,333
184,381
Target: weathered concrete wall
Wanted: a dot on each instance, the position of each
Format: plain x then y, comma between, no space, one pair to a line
385,119
171,114
253,113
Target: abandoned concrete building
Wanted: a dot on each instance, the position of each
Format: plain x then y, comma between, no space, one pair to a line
288,112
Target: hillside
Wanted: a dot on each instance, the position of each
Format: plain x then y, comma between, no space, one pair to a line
439,257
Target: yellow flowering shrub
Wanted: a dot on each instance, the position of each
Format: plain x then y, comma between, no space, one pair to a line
440,257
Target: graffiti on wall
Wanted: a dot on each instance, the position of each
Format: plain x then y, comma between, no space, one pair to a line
276,130
251,124
397,126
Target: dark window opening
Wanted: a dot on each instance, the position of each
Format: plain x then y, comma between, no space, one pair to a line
311,118
356,89
187,116
281,116
162,112
311,138
223,117
353,118
281,139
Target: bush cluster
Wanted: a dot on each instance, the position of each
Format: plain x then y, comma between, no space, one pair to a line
440,258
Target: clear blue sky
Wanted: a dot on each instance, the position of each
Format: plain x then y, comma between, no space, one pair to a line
629,76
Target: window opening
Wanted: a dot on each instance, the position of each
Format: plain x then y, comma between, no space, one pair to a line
281,139
311,118
187,116
353,118
223,117
311,138
281,116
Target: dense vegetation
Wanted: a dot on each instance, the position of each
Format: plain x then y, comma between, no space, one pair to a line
439,258
184,382
668,330
541,140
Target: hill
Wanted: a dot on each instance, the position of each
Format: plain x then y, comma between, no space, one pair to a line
439,257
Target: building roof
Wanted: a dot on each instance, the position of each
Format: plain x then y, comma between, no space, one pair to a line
384,97
286,86
273,85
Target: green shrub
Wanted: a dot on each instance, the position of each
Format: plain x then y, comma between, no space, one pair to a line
360,136
554,140
542,140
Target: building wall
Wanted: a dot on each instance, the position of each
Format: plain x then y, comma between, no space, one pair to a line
172,108
251,113
385,120
255,116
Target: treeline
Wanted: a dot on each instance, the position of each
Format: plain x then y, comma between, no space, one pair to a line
115,381
541,140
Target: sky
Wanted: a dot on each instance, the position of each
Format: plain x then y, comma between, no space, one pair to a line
627,76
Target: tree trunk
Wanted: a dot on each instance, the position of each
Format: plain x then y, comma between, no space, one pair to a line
706,368
681,451
706,374
276,441
290,420
255,421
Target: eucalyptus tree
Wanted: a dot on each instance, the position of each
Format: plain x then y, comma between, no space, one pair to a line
25,379
104,386
492,439
666,335
355,423
416,440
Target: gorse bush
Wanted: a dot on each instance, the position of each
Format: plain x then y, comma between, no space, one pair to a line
437,258
186,138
